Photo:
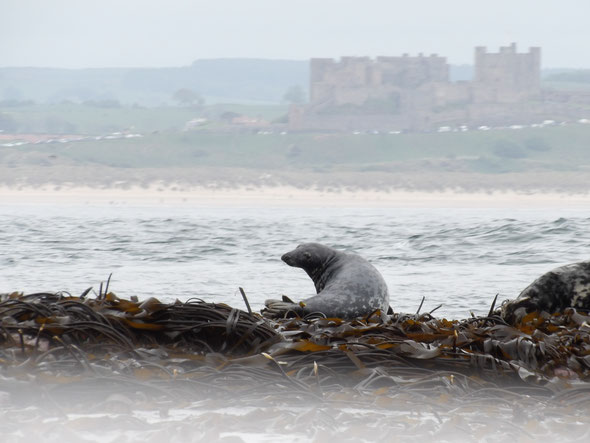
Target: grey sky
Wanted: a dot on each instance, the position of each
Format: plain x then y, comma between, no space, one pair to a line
90,33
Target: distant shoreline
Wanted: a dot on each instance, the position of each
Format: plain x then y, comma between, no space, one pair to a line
90,184
285,196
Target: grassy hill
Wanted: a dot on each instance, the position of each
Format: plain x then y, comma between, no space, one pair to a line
501,151
219,80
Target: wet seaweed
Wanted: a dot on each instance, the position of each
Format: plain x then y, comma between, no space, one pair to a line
124,325
194,349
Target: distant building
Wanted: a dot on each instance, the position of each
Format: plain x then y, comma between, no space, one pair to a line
506,76
415,93
249,121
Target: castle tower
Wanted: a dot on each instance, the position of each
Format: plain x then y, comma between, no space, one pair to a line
507,76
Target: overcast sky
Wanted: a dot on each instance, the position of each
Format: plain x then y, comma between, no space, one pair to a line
153,33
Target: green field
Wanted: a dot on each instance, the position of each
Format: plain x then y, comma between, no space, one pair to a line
104,119
554,149
164,143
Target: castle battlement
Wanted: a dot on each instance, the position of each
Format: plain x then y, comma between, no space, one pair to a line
368,61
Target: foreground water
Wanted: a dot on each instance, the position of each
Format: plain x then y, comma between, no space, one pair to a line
459,258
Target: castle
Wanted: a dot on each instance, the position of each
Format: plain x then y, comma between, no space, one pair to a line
416,94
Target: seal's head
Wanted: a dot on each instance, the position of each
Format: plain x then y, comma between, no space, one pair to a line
309,256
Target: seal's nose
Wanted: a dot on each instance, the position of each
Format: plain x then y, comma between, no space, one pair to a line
287,258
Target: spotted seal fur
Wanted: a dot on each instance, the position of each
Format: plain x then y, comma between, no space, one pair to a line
347,285
563,287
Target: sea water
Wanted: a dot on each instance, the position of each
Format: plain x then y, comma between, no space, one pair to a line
460,258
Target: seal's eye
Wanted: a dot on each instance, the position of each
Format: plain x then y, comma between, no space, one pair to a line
307,255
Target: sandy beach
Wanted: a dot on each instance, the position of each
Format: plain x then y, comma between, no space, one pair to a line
285,196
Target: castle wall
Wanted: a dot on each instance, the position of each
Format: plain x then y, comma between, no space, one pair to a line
353,80
452,94
414,93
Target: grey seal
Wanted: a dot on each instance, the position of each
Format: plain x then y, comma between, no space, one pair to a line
347,285
563,287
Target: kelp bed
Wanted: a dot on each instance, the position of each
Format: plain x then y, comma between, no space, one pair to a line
411,372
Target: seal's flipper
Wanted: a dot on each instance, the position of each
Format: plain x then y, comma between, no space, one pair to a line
279,309
287,299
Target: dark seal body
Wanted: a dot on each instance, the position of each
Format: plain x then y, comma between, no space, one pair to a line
347,285
564,287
